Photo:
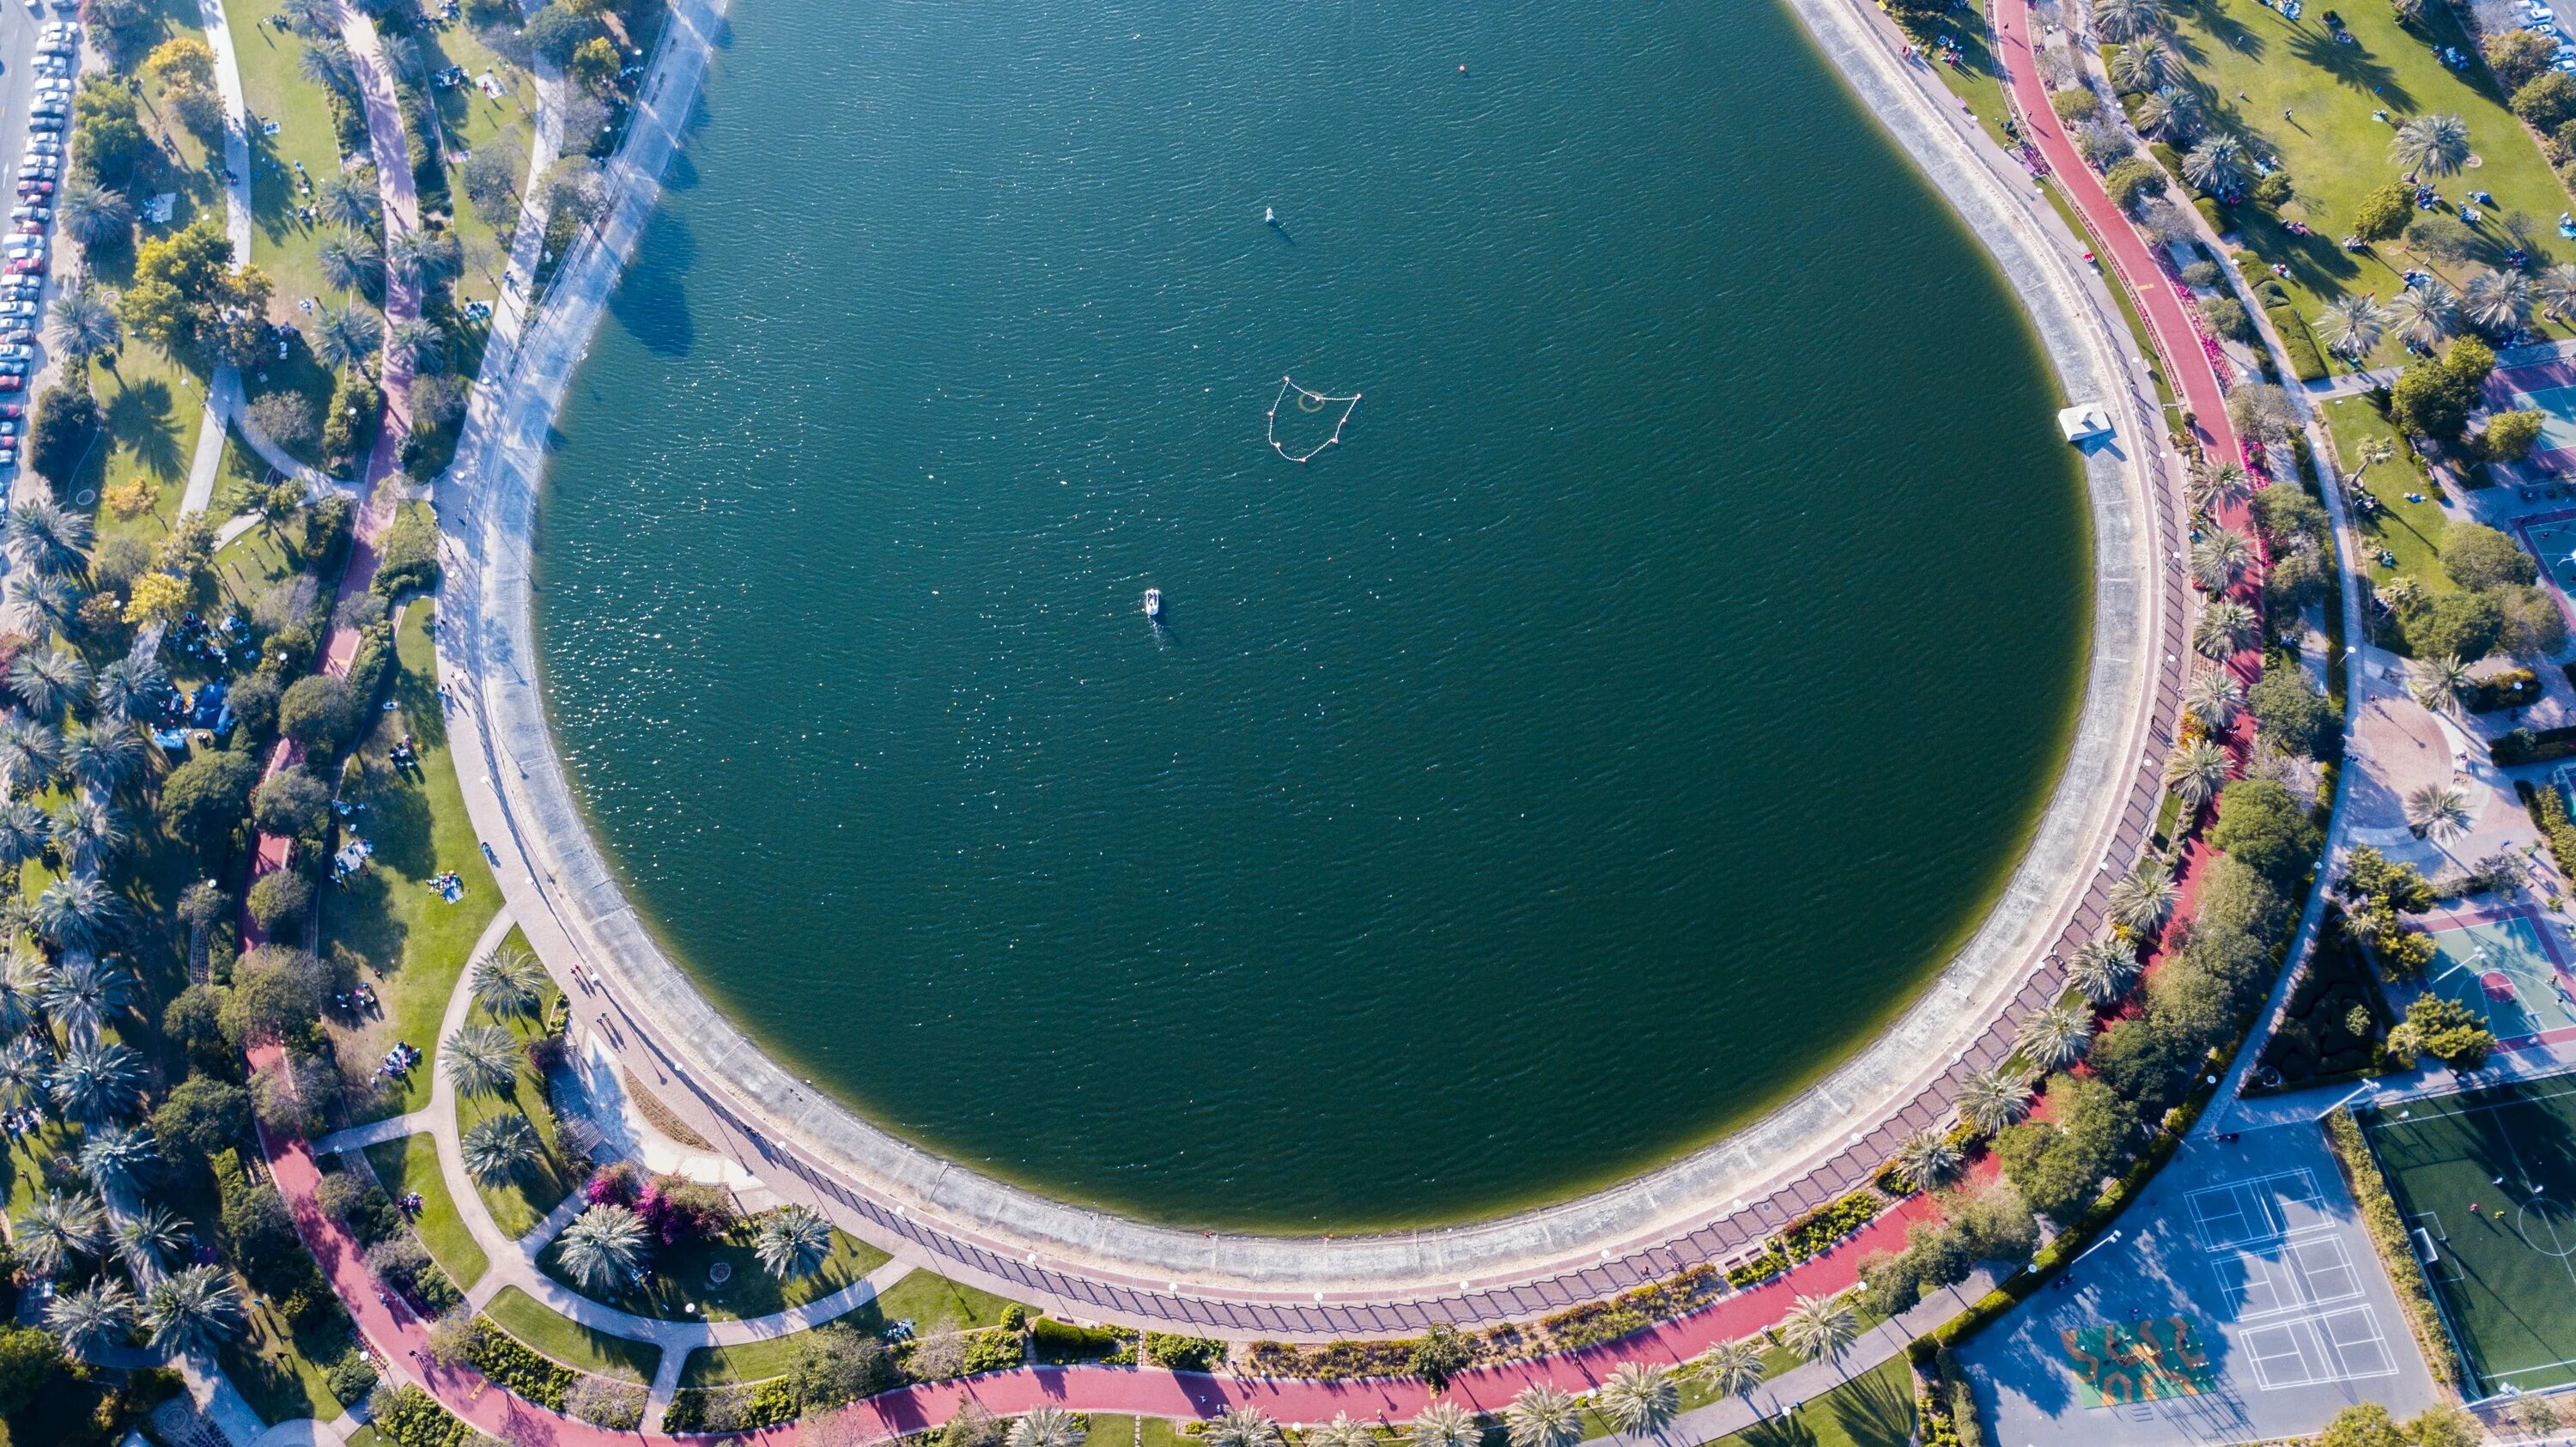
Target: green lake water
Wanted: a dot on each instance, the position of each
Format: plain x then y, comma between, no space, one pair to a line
1632,712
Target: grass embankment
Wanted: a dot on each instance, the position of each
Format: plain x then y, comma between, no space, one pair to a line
549,1334
411,1164
2408,531
682,1278
280,1371
932,1303
476,123
522,1205
2336,149
283,244
414,942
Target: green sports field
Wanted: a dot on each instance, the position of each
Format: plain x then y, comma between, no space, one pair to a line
2502,1256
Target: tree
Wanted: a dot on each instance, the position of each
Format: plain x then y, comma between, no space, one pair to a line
2478,556
499,1149
1242,1427
94,1317
2446,1424
1991,1099
118,1159
2510,436
2518,56
2213,697
318,712
346,336
1731,1369
81,913
291,804
353,263
2104,970
421,343
2425,313
57,1229
1928,1159
2365,1424
2533,629
594,64
792,1241
2218,165
2290,713
2547,102
2226,627
2145,67
836,1364
481,1059
2144,897
2433,398
67,424
277,900
1540,1415
491,184
1822,1328
2384,212
203,1115
2438,812
2262,826
277,995
2465,625
2435,145
177,279
2054,1036
1636,1399
85,325
2220,559
192,1309
2556,289
602,1248
2354,325
2498,301
349,201
2438,683
203,799
2441,237
112,144
557,31
326,62
2058,1164
157,598
1439,1354
1047,1426
2124,20
2195,773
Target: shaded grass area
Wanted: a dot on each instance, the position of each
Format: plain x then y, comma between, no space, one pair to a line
550,1334
280,1371
521,1205
1874,1409
756,1361
682,1278
282,243
414,943
2336,149
411,1164
1977,80
476,122
2408,532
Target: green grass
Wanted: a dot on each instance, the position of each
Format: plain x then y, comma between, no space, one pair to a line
748,1362
411,1164
476,122
2411,532
414,942
153,407
277,1370
2335,150
568,1341
2504,1274
521,1206
1111,1429
1874,1409
1976,79
282,244
680,1280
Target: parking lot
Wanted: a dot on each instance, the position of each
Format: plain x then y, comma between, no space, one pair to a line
39,58
2242,1301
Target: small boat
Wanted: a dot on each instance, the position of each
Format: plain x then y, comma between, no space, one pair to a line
1269,217
1154,604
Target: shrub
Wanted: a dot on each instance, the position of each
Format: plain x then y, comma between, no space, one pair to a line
731,1409
351,1378
2075,105
1059,1343
835,1364
2444,1029
1634,1310
2546,103
1827,1224
2388,1232
1183,1353
410,1417
66,425
2384,212
410,562
2307,360
2513,688
2225,315
612,1402
2548,810
349,423
501,1357
2478,556
2131,180
1340,1361
2529,746
365,1209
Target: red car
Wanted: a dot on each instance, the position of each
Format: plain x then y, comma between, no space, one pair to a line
13,383
35,188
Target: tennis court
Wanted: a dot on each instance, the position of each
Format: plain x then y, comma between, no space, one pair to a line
2486,1180
2506,971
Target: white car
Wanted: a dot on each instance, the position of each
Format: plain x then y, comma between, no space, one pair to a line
45,147
17,308
54,86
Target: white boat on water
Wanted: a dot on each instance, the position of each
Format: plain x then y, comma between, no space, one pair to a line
1154,604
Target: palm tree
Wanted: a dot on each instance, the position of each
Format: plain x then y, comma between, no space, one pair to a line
2225,627
2221,558
1819,1328
1731,1369
22,984
93,214
420,342
2217,165
2195,773
57,1228
94,1317
2431,145
53,599
2438,683
2148,65
1927,1159
24,832
2144,896
326,62
30,751
481,1060
1047,1427
1637,1399
1241,1427
497,1149
345,336
1342,1432
2426,312
2054,1037
1542,1416
2104,970
350,262
2126,20
150,1239
792,1241
85,324
2212,697
97,1083
508,981
2497,301
346,203
2172,114
2556,289
415,255
2210,488
82,995
1444,1424
117,1159
80,913
193,1308
100,757
88,834
40,535
312,19
25,1066
48,682
1992,1099
602,1247
2438,812
2354,325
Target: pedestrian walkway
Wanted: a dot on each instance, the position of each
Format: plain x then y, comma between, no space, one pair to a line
359,1137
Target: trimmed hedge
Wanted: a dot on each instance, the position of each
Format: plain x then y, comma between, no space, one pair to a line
2306,362
2388,1233
409,1417
510,1363
2513,688
2528,746
1061,1342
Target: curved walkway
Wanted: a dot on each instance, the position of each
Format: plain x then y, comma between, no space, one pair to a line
1711,1207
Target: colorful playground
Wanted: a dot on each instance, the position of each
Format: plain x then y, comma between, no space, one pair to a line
2507,967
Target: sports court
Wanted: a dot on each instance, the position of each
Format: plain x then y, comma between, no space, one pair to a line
2486,1180
2549,388
2507,969
2553,542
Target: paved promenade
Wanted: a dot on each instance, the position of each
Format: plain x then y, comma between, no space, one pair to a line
1710,1207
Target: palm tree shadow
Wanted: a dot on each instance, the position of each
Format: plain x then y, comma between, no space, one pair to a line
1785,1431
1874,1411
2226,29
139,416
2353,66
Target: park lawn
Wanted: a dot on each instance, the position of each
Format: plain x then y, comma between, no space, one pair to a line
1874,1409
2409,531
1113,1429
2337,152
415,943
521,1206
171,20
281,243
932,1303
411,1164
477,122
544,1331
153,408
278,1371
755,1361
1976,79
680,1279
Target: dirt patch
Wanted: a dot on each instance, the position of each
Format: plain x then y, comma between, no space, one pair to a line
661,1117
